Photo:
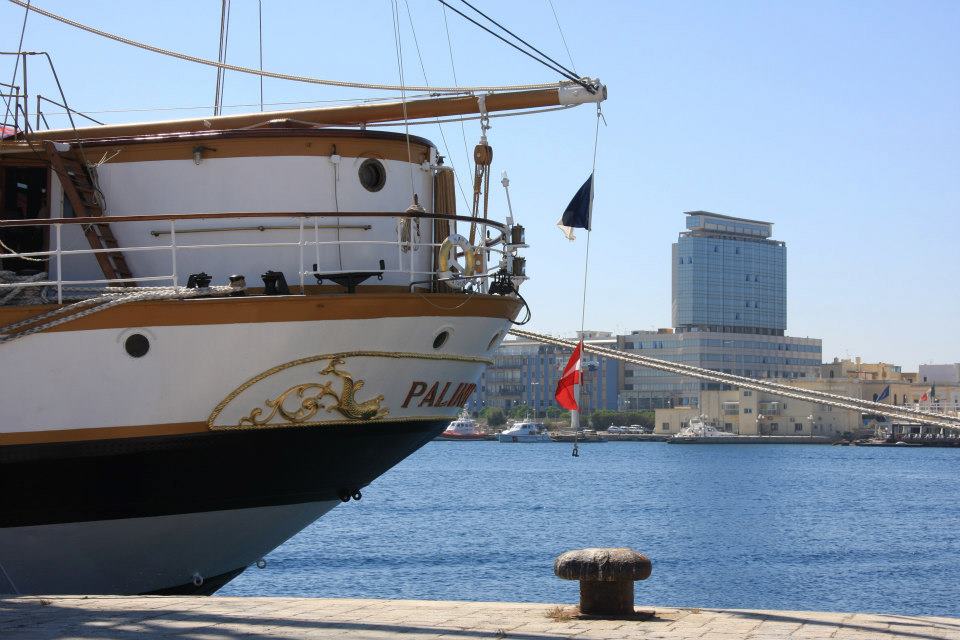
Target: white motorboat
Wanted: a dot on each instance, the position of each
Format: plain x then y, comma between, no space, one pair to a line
525,431
697,429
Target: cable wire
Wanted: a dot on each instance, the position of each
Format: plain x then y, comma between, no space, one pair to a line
16,64
562,37
570,74
559,70
423,70
463,130
271,74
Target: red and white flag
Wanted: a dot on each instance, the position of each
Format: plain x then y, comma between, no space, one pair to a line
571,376
925,396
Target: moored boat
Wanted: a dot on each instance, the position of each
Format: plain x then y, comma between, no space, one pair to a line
525,431
699,431
463,428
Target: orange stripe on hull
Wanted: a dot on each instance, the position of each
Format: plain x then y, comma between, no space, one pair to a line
256,309
102,433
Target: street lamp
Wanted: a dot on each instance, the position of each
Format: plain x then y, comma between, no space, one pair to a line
536,399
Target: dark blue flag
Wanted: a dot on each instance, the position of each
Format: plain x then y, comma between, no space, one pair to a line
884,394
579,211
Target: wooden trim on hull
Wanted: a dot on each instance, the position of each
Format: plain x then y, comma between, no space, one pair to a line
101,433
57,436
262,147
292,140
261,309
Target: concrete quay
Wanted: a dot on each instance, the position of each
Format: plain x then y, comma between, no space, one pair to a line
222,618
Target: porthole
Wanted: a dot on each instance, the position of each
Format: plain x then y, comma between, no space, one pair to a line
441,339
373,175
137,345
494,340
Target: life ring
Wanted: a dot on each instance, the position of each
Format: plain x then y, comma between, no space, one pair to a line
451,271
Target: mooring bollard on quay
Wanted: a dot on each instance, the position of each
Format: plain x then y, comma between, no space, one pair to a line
606,578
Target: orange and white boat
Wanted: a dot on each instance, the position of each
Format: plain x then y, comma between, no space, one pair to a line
161,429
463,428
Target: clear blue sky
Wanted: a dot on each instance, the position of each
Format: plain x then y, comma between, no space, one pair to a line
838,121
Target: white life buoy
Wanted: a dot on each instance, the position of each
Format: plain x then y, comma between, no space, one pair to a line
448,268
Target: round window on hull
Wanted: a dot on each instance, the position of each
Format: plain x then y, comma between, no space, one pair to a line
373,175
136,345
441,339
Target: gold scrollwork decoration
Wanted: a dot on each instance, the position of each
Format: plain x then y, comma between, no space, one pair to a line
311,397
255,420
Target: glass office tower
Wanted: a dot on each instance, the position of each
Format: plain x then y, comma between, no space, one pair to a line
729,276
729,314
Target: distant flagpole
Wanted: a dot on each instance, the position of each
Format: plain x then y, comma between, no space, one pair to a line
575,415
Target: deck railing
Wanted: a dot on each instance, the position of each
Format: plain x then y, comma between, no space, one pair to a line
496,251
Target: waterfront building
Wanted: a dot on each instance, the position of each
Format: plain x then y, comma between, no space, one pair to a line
729,276
525,373
729,313
858,369
940,373
748,412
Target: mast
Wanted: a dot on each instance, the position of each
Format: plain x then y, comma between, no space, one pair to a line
564,94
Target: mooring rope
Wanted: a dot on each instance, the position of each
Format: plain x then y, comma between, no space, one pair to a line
796,393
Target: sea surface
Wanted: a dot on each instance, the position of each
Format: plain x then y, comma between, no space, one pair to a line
744,526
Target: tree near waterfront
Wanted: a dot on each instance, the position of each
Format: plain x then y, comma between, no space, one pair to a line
494,416
603,419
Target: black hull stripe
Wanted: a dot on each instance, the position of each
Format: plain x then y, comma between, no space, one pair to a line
164,475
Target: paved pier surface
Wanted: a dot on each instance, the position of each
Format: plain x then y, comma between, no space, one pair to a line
217,618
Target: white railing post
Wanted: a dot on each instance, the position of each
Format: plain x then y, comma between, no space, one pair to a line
59,266
316,240
300,264
399,226
411,247
173,252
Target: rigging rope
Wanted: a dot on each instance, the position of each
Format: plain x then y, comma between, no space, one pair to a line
559,70
16,66
112,297
395,11
569,74
222,55
423,70
787,391
271,74
562,37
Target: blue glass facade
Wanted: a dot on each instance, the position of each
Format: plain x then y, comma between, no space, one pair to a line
729,313
729,276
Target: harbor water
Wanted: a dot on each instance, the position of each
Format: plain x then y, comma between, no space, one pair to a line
736,526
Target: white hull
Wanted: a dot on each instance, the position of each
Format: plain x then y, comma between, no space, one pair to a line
129,475
82,380
524,438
